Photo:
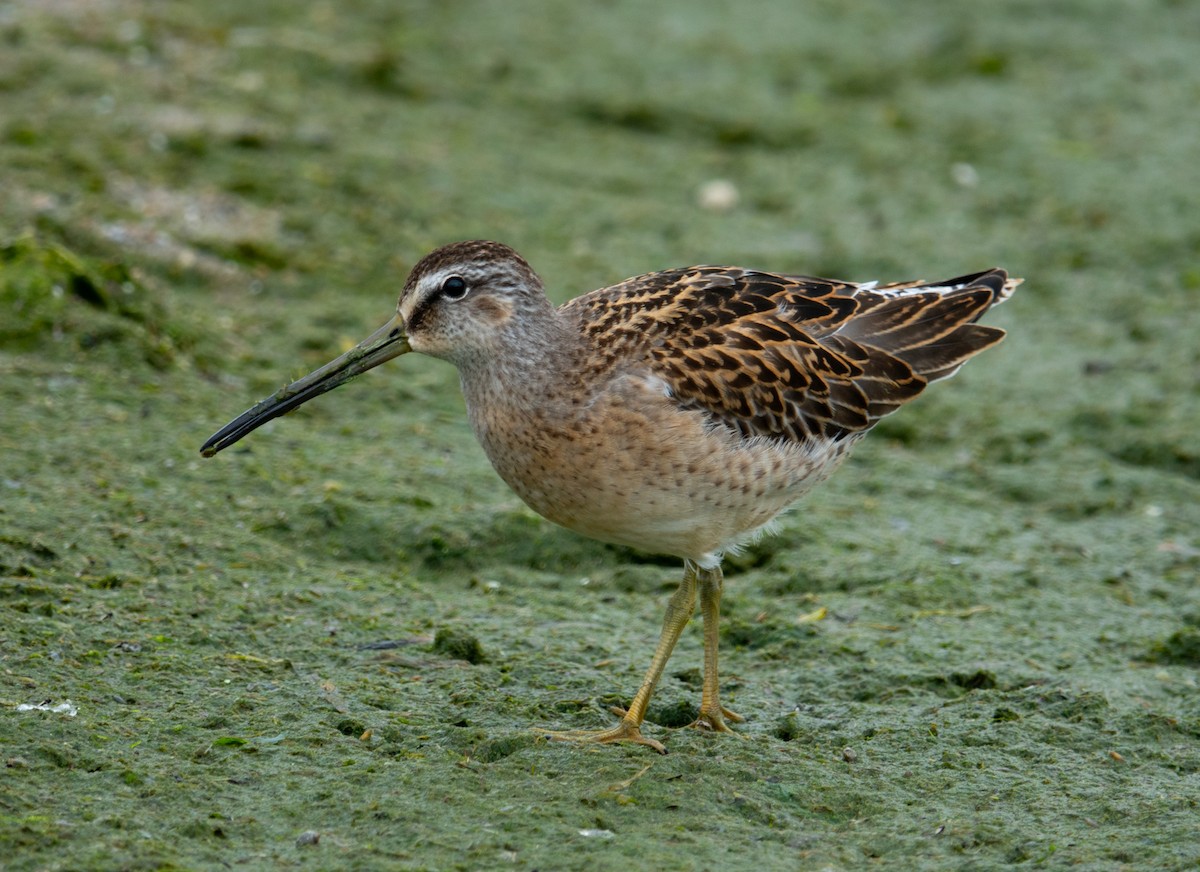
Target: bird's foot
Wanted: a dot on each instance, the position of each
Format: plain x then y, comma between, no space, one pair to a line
625,731
714,721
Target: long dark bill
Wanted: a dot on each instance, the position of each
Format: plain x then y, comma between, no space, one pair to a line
385,343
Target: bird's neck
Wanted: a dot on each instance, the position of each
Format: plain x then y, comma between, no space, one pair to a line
525,363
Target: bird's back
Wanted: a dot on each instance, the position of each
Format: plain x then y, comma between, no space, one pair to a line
794,358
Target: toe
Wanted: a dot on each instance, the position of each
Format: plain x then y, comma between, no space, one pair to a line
622,732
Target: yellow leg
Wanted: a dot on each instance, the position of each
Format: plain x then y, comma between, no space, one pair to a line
679,612
712,714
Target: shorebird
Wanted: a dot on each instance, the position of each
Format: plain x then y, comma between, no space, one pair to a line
678,412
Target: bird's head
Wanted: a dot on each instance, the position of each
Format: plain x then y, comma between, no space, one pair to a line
456,304
458,299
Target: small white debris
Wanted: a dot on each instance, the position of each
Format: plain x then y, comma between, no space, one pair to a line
1153,511
597,834
718,195
249,81
129,30
66,707
964,175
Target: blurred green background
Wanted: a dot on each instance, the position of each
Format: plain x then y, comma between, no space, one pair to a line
977,646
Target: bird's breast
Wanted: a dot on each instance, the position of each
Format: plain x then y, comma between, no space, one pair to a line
625,464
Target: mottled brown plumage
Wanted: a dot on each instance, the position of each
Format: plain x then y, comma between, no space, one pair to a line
677,412
791,357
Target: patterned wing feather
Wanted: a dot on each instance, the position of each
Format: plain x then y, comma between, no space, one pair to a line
790,357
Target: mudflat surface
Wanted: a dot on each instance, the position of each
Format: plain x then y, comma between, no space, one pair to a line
976,646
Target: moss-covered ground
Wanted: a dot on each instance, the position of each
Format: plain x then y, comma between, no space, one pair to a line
977,646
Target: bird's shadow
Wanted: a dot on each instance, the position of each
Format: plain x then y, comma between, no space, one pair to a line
416,534
422,536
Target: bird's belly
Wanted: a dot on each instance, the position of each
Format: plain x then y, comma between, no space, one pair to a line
676,486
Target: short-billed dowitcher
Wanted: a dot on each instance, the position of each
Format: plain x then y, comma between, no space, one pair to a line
677,412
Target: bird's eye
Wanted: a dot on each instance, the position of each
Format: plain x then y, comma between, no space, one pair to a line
454,288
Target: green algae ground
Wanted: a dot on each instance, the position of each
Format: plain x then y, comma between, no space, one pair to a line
977,646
